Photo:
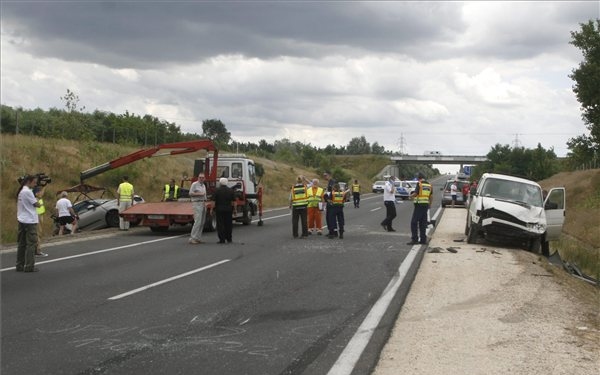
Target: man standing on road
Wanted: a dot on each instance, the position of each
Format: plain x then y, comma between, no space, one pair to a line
27,231
329,219
224,197
198,198
422,196
66,214
453,192
315,206
356,193
298,204
125,194
389,200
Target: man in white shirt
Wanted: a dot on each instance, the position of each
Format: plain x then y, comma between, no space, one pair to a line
66,214
198,197
389,200
27,232
453,192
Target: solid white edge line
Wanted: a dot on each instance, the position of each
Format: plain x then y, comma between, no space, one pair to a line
357,344
100,251
167,280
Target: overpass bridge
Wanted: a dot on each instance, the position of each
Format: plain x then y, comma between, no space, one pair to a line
438,159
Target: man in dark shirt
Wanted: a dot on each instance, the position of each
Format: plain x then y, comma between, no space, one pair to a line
224,210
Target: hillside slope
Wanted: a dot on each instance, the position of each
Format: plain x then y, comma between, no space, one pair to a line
63,160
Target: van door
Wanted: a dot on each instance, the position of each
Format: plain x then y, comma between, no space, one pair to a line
554,205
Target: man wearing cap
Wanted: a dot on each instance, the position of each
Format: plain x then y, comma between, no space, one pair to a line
422,198
329,217
224,197
198,197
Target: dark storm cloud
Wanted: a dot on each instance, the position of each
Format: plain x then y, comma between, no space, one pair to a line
136,34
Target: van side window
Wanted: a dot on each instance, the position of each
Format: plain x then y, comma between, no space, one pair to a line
223,171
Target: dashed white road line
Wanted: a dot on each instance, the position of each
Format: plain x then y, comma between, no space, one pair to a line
146,287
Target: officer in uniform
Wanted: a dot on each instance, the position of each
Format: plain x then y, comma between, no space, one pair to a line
338,198
171,192
298,204
422,196
356,193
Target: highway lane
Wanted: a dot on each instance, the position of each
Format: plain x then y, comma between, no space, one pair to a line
267,304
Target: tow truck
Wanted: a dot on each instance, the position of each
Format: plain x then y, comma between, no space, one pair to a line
159,216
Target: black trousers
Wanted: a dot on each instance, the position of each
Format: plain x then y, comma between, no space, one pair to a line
337,218
224,225
390,214
356,197
418,223
299,213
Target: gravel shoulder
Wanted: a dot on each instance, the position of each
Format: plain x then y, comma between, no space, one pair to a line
492,310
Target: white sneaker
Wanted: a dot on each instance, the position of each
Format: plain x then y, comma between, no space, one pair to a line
41,255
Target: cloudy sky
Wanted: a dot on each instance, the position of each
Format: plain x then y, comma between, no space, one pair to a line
455,77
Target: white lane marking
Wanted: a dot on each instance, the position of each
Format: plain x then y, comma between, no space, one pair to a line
347,360
101,251
167,280
375,209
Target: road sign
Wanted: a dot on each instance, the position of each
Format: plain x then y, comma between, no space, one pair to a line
467,170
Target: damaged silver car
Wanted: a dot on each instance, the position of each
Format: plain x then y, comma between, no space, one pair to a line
515,209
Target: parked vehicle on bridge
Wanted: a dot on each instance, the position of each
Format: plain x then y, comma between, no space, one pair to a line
432,153
511,208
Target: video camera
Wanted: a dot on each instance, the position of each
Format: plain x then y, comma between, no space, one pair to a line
41,179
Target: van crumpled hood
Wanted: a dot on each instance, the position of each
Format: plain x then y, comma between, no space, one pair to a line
504,210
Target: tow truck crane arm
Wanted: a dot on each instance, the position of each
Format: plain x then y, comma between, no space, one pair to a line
177,149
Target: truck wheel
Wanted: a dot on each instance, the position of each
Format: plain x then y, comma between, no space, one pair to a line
247,216
473,233
159,229
112,219
210,222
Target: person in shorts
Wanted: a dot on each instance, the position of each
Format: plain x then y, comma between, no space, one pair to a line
66,214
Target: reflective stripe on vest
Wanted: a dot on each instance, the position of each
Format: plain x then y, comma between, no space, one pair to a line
125,191
314,199
424,193
299,195
168,190
355,188
41,209
337,198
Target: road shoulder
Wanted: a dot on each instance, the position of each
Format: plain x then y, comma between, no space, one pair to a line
491,310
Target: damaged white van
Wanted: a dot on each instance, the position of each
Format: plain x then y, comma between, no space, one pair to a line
515,209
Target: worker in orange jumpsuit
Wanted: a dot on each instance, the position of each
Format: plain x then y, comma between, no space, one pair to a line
315,207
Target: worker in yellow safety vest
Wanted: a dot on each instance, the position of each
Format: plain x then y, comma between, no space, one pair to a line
356,193
125,194
316,205
171,192
299,204
421,196
338,198
38,191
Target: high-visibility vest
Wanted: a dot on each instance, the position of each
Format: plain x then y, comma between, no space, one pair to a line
424,193
337,198
355,188
299,195
168,190
315,198
125,191
41,209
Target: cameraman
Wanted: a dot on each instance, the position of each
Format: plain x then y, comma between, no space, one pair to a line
28,221
66,214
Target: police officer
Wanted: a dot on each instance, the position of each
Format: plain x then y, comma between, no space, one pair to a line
356,193
171,192
338,197
422,196
299,204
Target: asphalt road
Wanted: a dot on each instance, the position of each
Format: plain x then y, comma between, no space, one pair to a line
146,303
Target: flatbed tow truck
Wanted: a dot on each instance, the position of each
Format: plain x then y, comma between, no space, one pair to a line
159,216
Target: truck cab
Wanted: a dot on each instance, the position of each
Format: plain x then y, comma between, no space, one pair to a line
238,168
